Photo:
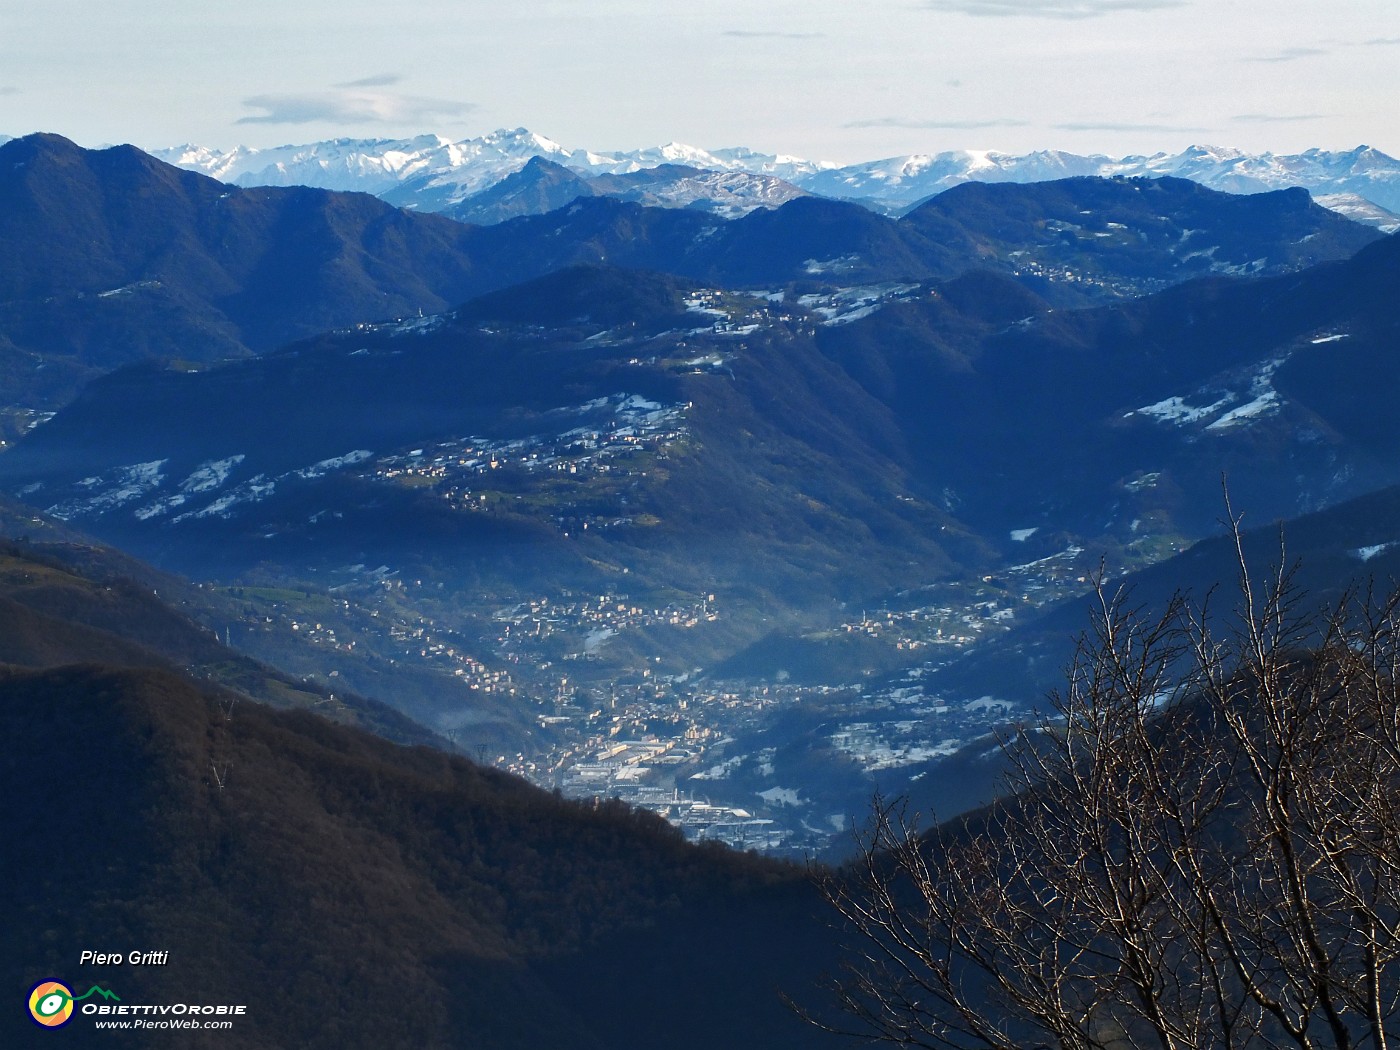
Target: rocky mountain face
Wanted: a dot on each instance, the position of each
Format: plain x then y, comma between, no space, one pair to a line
543,186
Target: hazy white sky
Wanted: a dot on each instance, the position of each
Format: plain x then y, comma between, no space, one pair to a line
841,80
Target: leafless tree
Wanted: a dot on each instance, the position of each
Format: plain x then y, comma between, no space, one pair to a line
1199,847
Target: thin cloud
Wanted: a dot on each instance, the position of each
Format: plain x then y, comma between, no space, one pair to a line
7,90
1289,54
762,34
378,80
1063,9
1276,118
351,106
1163,129
1381,41
936,125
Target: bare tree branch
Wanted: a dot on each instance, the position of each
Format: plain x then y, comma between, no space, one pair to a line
1200,848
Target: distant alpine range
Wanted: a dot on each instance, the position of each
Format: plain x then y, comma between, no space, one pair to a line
518,172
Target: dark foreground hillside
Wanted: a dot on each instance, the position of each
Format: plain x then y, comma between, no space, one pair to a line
74,602
350,892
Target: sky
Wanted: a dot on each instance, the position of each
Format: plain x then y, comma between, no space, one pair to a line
834,80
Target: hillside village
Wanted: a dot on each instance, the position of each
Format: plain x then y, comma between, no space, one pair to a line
688,746
616,438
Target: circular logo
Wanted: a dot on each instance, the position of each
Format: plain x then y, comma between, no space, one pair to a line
51,1003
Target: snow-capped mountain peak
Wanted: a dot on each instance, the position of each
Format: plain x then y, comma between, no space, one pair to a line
431,173
520,142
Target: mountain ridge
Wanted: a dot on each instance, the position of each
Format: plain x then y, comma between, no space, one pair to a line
454,171
109,257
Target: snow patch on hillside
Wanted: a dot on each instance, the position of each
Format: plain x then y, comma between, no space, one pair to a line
251,491
128,289
845,305
1265,399
1176,410
127,484
325,466
210,475
1262,405
1367,553
782,797
840,264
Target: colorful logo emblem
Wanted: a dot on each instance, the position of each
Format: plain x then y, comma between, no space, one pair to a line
50,1004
